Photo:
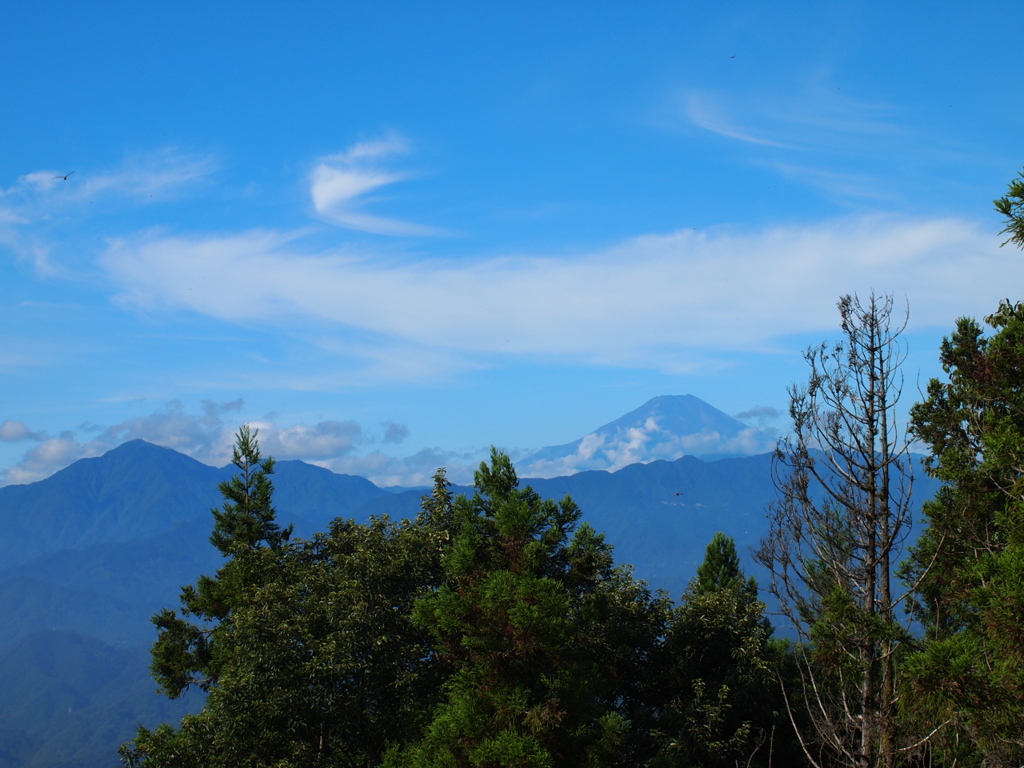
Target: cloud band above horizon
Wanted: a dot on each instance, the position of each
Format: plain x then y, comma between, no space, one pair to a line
642,298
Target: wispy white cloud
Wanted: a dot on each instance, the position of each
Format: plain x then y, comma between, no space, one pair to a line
657,300
158,174
394,433
161,172
705,112
812,114
386,146
339,185
814,132
416,469
8,216
30,207
50,455
837,183
761,415
206,436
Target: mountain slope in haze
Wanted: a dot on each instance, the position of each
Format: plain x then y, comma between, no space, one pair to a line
70,700
108,591
666,427
132,492
139,490
112,546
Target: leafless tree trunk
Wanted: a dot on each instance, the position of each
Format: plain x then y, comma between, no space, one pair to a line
837,526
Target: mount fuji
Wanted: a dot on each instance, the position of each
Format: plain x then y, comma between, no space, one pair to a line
667,427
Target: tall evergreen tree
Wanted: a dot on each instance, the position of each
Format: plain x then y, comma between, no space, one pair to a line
720,704
247,534
968,682
721,569
534,624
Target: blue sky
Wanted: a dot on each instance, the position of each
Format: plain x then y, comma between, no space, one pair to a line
391,234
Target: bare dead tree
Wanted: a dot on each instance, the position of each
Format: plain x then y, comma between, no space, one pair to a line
843,481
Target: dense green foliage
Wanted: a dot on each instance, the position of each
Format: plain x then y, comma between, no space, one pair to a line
308,649
969,678
544,638
965,683
492,630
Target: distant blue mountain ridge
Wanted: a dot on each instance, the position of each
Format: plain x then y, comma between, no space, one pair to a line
139,490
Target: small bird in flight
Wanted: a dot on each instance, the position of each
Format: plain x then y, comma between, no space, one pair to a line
65,176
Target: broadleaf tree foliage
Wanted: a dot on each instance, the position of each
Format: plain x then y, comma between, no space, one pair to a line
836,531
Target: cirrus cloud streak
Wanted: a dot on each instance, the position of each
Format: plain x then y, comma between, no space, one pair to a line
644,299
